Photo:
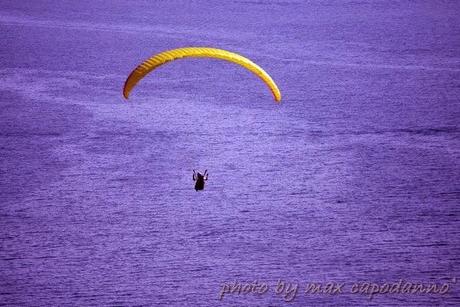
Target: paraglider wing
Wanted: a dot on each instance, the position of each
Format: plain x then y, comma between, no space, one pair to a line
161,58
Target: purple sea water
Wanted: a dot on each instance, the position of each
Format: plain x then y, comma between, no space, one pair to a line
354,177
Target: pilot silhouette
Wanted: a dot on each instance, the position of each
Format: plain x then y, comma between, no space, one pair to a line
200,179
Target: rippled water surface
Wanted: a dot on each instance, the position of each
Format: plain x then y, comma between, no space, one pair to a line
353,178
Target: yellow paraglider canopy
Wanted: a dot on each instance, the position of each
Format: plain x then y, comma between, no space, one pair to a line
197,52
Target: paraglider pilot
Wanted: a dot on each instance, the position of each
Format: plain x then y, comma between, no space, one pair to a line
200,179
